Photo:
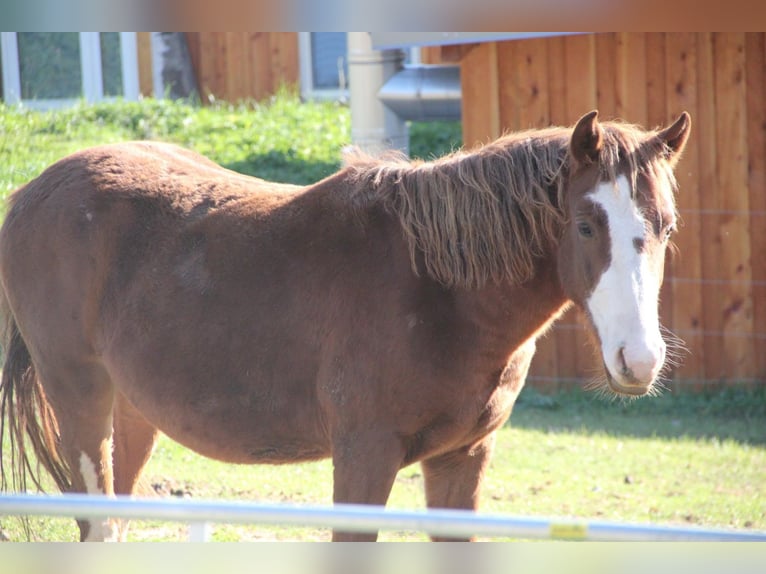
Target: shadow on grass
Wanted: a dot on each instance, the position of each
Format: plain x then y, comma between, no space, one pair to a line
284,167
736,413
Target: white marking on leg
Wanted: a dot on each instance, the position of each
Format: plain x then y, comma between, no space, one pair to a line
103,530
89,475
624,302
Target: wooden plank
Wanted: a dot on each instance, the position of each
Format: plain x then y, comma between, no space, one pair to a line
655,80
207,64
755,61
236,67
705,128
580,73
480,107
259,77
533,84
145,78
733,222
557,91
284,46
685,269
606,74
630,62
509,86
431,55
193,45
454,53
211,80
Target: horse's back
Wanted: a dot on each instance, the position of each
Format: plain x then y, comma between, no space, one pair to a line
181,280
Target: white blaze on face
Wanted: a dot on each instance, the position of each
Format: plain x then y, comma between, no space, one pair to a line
623,304
100,529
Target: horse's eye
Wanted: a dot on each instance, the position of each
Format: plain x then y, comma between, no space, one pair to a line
584,229
669,231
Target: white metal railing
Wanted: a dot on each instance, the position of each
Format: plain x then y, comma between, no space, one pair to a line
353,518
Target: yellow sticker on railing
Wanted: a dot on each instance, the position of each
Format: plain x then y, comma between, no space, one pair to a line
569,531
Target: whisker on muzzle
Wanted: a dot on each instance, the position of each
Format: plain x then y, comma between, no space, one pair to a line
676,349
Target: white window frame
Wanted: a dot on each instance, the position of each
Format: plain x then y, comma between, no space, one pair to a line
306,71
90,66
308,91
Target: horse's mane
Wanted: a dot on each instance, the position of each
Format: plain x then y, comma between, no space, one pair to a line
487,214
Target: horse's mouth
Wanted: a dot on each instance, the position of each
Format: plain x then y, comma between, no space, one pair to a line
632,388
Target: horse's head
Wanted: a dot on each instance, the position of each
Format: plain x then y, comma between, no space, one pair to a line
621,214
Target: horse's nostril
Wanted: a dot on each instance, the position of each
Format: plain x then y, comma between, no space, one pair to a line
621,362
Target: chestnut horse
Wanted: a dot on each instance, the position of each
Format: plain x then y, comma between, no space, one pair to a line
383,316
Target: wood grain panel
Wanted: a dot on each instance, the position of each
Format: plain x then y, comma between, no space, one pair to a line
606,75
557,86
685,265
260,56
509,98
631,86
284,50
755,56
734,266
237,66
534,106
705,138
480,95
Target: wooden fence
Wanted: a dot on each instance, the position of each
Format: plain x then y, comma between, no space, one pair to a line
714,296
236,66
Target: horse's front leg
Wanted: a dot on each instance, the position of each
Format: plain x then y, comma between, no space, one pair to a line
453,480
365,466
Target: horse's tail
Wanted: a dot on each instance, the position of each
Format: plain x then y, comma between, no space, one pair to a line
28,416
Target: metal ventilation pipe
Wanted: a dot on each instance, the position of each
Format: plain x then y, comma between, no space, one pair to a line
385,95
424,93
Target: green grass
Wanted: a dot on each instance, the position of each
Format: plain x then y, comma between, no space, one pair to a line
281,140
680,459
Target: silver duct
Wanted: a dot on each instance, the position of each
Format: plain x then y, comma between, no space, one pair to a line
384,95
424,93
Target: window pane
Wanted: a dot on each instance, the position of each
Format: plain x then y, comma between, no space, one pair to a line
328,51
111,63
49,64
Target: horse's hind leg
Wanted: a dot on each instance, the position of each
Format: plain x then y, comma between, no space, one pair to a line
453,480
82,398
134,439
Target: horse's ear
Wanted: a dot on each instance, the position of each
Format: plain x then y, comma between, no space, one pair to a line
674,137
587,139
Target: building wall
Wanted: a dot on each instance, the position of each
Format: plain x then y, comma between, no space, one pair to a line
714,296
235,66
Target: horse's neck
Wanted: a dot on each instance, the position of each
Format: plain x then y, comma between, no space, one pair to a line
517,313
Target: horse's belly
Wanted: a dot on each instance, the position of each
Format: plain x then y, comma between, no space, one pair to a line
233,431
228,443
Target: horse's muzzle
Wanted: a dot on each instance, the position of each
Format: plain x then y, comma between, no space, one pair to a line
627,386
